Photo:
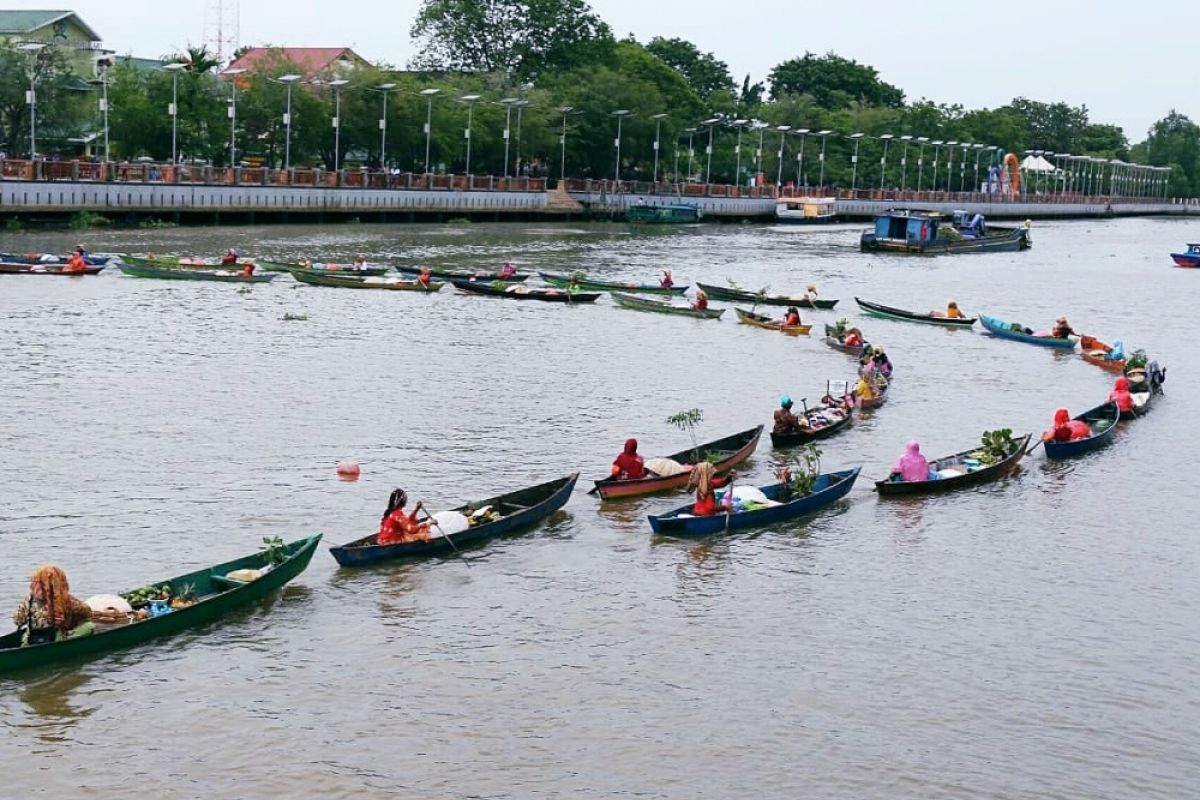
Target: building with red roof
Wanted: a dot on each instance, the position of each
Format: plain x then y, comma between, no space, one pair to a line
312,62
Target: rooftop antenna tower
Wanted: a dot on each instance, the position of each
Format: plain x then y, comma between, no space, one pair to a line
221,28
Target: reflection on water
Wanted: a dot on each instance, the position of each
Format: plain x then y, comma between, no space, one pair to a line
1022,638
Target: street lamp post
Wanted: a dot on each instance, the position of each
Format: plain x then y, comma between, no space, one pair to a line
289,81
520,106
737,172
691,132
620,114
907,139
979,148
857,137
337,121
803,134
711,123
173,110
233,73
962,166
950,164
428,94
824,138
104,64
783,131
658,118
384,89
937,151
921,141
562,143
758,154
508,103
470,100
33,48
887,140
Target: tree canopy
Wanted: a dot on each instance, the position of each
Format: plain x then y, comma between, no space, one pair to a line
703,71
834,82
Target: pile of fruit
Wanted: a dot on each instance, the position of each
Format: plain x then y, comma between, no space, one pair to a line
146,594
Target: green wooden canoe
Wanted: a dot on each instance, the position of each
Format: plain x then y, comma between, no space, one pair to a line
594,284
659,307
193,274
344,269
349,281
216,594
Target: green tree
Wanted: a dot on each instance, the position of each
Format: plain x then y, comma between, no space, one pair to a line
1174,141
59,105
1052,126
833,81
523,38
703,71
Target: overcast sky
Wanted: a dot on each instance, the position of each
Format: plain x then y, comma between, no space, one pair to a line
1127,63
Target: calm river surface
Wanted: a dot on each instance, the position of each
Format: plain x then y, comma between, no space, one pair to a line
1036,638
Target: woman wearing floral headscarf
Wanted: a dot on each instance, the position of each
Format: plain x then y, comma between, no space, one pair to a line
50,613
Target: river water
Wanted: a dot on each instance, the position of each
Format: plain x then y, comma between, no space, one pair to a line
1035,638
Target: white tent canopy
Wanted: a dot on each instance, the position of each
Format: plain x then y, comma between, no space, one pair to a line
1037,164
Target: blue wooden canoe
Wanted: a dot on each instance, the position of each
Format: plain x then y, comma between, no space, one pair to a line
1103,422
828,489
998,327
517,510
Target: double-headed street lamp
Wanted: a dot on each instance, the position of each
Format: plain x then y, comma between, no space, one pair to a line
857,137
562,142
658,118
470,100
783,132
620,114
233,74
508,103
824,138
32,48
384,89
711,123
691,132
886,139
922,141
428,94
803,134
337,121
758,154
173,109
907,139
289,81
103,65
737,172
950,163
937,151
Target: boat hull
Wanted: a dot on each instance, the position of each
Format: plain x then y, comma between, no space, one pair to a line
725,293
1008,240
46,269
1003,330
1105,415
984,475
352,282
209,609
797,438
563,281
191,274
663,214
739,447
827,489
521,293
657,307
888,312
481,277
550,497
36,258
759,321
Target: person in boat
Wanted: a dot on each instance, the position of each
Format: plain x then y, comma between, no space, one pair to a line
507,270
1062,329
398,527
810,293
865,389
247,269
306,263
77,262
952,312
425,277
701,303
1117,353
360,262
230,258
882,364
50,612
703,481
853,338
912,466
666,281
785,420
629,466
792,318
1120,395
83,253
1066,429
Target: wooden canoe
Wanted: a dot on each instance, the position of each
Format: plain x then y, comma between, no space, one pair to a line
888,312
7,268
819,428
660,307
216,595
760,321
1004,330
180,274
1144,384
836,344
47,259
991,472
1097,352
324,269
518,510
467,275
741,295
595,284
524,293
827,489
1102,420
317,278
731,451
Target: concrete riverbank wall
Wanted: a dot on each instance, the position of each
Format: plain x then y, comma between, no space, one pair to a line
211,202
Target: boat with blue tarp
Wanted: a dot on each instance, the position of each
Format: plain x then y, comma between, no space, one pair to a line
932,233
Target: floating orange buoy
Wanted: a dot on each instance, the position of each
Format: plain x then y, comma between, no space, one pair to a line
348,470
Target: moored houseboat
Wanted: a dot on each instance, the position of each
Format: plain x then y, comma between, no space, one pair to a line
931,233
806,210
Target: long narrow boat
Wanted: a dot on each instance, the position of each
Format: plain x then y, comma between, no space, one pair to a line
7,268
833,341
47,258
881,396
827,489
595,284
888,312
188,262
660,307
468,275
1144,383
930,233
728,452
524,293
760,321
317,278
348,270
178,274
1009,330
823,422
666,213
968,472
1101,420
1094,351
517,510
216,596
741,295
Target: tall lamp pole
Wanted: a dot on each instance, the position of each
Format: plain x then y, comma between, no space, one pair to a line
783,132
384,89
803,134
708,170
620,114
33,48
691,132
508,104
887,139
233,73
658,118
470,100
428,94
173,110
337,121
103,65
922,141
737,172
857,137
937,151
907,139
824,139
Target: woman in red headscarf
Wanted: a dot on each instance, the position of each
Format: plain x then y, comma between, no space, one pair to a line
1121,396
629,465
1065,429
